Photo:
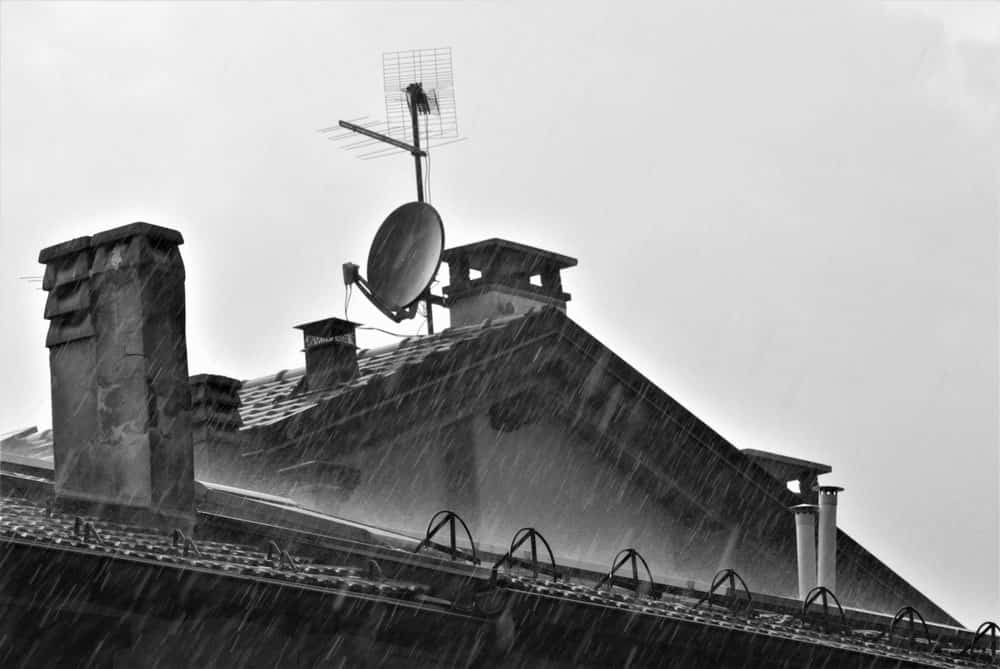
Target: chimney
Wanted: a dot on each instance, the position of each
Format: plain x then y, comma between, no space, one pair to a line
827,570
805,543
118,363
513,278
215,405
331,352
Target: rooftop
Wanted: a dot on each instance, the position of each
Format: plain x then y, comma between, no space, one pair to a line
272,406
341,561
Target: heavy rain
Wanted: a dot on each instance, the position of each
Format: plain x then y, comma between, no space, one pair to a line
681,352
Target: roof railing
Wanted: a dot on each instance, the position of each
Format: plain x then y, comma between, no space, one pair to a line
826,594
988,627
86,529
185,542
635,583
911,615
284,558
731,577
532,536
450,518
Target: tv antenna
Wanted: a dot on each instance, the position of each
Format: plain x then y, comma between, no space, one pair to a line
406,252
418,84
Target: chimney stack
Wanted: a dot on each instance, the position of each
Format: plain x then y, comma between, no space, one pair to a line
805,543
513,278
331,352
118,360
827,569
215,405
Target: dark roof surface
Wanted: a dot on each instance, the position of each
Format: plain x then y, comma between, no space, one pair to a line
270,399
27,522
24,520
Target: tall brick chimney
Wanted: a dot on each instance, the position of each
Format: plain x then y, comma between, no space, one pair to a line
512,278
118,359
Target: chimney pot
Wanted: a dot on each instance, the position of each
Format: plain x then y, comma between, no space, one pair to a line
504,286
331,352
805,543
827,559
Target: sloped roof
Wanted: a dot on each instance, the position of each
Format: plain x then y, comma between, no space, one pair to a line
26,526
275,408
270,399
671,442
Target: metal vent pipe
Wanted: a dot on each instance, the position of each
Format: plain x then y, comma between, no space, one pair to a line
827,571
805,543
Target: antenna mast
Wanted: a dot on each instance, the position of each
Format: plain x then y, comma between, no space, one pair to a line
416,100
417,83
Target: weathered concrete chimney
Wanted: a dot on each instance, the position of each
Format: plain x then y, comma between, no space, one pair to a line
805,545
118,360
331,352
513,278
827,570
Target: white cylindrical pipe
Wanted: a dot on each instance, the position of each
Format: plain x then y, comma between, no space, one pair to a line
827,558
805,546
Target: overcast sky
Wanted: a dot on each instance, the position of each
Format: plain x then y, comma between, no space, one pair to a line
785,214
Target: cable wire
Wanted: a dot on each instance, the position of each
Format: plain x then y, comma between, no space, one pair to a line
427,151
394,334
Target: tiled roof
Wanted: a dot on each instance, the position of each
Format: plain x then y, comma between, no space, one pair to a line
31,443
27,447
270,399
21,519
27,522
274,398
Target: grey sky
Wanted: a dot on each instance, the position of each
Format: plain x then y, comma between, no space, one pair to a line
785,214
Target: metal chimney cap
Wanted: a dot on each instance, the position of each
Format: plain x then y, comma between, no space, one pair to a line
830,489
328,327
487,251
804,508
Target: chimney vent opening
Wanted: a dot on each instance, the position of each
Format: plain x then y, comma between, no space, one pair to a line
497,277
330,346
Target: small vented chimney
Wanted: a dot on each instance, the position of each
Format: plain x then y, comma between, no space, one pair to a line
827,568
118,360
512,278
805,546
331,352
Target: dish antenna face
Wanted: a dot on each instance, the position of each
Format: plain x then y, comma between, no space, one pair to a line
405,255
403,261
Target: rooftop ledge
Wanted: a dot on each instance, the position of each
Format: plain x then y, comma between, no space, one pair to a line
785,467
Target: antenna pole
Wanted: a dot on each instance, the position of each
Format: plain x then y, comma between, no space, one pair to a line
430,312
413,92
415,97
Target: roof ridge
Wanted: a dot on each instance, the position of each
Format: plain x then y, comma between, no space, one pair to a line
280,375
19,433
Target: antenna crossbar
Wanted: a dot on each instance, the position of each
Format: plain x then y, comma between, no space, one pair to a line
382,138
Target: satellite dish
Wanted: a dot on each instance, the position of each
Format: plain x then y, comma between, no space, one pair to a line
406,252
403,260
405,255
